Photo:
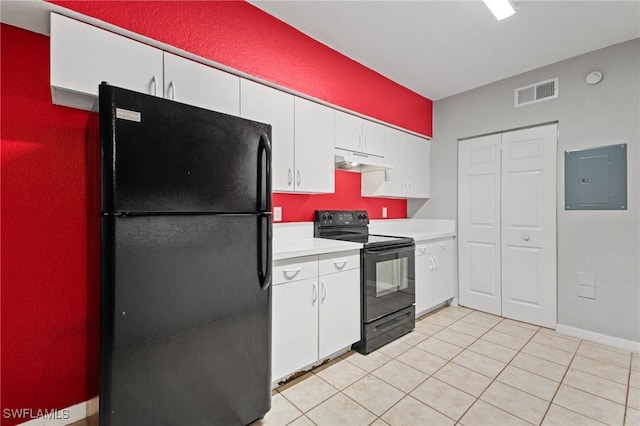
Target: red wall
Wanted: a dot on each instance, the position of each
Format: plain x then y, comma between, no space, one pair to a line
298,207
49,306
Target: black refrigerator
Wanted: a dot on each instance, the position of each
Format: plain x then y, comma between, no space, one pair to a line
185,326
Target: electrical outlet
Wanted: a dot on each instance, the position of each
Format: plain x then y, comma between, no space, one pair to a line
384,212
277,214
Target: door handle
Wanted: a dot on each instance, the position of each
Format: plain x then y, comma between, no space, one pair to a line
171,88
264,147
526,238
341,263
154,84
291,273
324,291
264,244
314,293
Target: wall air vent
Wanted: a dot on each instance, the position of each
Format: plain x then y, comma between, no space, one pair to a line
536,92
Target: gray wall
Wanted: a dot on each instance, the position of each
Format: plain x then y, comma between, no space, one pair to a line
604,242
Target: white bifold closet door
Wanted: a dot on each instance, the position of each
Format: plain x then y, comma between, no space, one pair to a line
507,224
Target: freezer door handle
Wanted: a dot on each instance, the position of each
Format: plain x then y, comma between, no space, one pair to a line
265,250
264,174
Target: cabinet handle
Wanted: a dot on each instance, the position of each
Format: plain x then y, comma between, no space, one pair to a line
324,290
526,238
443,246
435,258
422,249
154,82
431,264
171,88
291,273
365,142
360,142
341,263
314,296
289,177
298,177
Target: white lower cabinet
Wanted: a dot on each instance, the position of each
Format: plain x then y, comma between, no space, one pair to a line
313,317
339,318
294,314
435,274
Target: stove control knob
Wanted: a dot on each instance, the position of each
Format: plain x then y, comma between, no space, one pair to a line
324,217
330,216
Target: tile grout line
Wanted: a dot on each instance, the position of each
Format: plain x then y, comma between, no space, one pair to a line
493,381
408,394
561,381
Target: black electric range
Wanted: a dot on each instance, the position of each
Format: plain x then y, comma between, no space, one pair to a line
387,276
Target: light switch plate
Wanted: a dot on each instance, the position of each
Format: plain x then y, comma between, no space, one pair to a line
277,214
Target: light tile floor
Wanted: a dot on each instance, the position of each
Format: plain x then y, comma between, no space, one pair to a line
466,367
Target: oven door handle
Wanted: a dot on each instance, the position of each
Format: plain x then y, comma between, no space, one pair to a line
382,250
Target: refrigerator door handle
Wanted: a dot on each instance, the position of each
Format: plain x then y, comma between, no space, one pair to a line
264,243
264,148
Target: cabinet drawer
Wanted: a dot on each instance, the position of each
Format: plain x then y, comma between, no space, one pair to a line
424,247
330,263
300,268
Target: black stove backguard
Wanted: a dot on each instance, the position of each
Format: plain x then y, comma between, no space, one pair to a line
387,277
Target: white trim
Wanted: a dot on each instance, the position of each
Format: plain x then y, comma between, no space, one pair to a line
604,339
67,415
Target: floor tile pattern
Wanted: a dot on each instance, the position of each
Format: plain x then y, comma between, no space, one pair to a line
465,367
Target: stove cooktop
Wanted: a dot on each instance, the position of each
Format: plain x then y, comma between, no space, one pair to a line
352,225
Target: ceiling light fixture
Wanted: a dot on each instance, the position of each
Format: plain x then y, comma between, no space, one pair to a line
501,9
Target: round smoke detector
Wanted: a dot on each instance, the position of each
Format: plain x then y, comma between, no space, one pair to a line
594,77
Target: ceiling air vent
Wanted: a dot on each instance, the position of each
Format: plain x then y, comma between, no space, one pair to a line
536,92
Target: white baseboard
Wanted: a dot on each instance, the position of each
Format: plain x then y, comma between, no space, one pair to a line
604,339
65,416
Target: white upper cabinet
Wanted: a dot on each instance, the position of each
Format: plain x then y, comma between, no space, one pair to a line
418,153
409,177
356,134
373,137
83,56
197,84
348,132
314,135
267,105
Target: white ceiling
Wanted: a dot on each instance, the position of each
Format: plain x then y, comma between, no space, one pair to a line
440,48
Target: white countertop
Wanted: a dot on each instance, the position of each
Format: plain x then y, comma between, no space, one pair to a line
296,239
418,229
288,248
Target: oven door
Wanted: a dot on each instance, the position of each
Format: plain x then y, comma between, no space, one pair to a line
389,280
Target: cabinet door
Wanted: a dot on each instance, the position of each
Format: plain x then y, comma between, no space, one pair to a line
373,137
396,184
83,56
444,276
267,105
348,132
339,311
424,284
196,84
418,169
314,145
294,330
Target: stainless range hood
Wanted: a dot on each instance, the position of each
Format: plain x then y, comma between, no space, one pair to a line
359,162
